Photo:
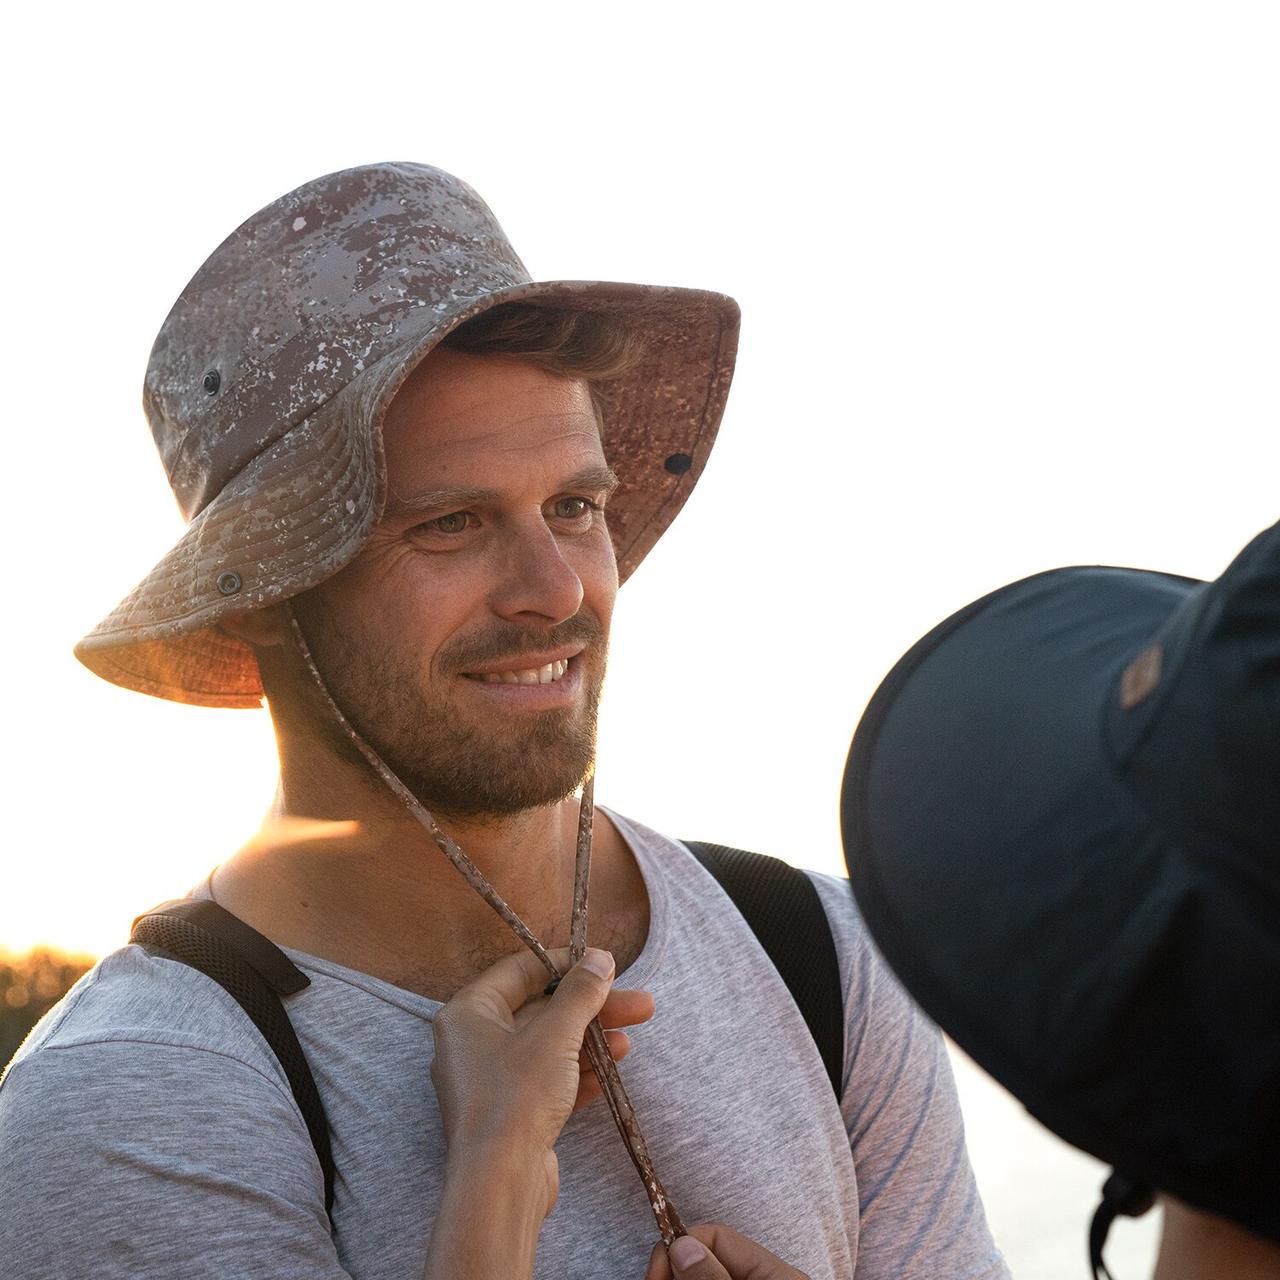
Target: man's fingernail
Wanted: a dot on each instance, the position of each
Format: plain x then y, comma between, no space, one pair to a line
599,962
686,1251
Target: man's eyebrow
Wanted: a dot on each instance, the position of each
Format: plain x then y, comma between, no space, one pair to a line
591,479
594,480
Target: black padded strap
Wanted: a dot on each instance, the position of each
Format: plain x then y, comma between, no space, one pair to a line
784,911
255,973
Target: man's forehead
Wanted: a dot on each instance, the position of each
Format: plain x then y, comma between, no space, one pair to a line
503,441
449,385
468,422
455,397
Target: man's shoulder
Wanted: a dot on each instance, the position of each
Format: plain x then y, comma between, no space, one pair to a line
132,997
142,1091
833,891
842,909
852,940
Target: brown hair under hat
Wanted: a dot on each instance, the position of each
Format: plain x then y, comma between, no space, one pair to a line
271,376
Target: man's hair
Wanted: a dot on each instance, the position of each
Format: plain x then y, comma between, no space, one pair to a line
572,344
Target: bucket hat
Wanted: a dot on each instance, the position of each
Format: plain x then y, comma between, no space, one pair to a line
1061,816
269,380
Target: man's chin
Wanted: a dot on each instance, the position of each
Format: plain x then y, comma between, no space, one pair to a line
499,779
489,802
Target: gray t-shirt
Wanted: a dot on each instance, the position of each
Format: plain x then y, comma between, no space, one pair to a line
146,1130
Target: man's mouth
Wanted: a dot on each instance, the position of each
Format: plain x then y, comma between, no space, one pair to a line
548,673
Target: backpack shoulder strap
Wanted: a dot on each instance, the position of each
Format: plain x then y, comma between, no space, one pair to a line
255,973
783,909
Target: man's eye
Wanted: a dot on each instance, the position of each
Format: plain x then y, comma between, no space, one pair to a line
454,522
574,508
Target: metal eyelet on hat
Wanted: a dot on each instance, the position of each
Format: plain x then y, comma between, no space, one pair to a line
678,463
1141,677
212,381
230,582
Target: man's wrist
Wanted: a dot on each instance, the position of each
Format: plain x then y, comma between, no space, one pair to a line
498,1163
496,1197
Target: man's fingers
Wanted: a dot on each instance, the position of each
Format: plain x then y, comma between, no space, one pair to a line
722,1254
619,1046
589,1087
558,1023
514,979
626,1009
620,1009
575,1003
690,1259
678,1262
659,1268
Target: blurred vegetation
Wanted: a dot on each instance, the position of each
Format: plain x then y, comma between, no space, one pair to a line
30,985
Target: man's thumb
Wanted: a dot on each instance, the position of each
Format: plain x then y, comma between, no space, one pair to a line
586,986
692,1260
595,965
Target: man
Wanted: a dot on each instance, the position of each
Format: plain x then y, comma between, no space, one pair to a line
415,479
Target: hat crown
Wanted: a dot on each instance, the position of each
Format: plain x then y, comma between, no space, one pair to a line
300,299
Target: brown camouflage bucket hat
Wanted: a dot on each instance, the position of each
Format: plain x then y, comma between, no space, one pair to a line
268,384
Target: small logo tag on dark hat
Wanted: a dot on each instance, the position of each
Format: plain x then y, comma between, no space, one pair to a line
1141,677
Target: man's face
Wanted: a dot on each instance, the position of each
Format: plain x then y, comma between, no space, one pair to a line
467,641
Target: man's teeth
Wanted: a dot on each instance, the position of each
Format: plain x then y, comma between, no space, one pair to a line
535,675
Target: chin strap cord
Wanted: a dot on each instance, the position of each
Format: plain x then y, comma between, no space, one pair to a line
668,1219
1121,1197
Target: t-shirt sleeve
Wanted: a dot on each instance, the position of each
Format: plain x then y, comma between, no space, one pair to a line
920,1215
142,1159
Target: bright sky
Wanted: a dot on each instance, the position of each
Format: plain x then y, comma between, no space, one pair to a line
1008,273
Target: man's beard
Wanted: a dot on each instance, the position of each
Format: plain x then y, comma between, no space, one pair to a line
455,762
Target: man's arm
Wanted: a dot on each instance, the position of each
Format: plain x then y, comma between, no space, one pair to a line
919,1210
126,1158
139,1159
490,1216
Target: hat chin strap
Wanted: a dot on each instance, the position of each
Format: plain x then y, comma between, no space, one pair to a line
597,1047
1121,1197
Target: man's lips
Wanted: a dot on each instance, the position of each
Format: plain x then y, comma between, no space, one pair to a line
528,669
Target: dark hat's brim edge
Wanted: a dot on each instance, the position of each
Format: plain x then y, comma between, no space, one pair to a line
105,649
937,993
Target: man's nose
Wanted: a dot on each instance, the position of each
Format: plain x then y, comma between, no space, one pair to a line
537,583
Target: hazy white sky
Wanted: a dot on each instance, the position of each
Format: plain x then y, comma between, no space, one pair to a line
1009,276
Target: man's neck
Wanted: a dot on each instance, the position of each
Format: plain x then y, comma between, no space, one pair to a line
351,876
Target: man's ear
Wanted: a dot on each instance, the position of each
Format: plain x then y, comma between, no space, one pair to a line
261,628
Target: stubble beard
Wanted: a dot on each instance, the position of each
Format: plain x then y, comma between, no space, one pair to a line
457,762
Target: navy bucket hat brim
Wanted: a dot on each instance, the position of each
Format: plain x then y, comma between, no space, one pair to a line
1042,840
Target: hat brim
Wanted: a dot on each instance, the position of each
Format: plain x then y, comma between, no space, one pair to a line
1036,910
303,508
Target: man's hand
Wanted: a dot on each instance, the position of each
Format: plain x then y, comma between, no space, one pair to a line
509,1065
726,1254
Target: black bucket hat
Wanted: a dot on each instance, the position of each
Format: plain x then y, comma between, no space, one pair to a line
1061,818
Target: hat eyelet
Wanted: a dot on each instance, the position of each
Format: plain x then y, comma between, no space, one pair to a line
1141,677
678,463
230,582
212,381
